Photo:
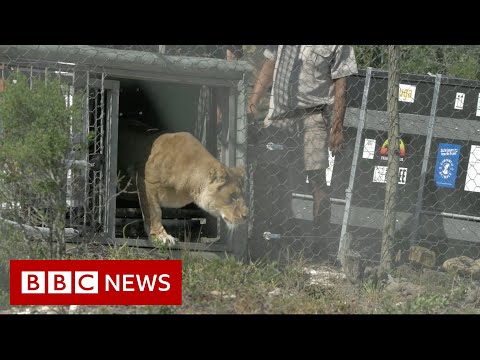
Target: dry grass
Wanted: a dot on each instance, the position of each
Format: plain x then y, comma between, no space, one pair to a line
223,285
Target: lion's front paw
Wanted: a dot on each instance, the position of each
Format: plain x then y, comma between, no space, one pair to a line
163,239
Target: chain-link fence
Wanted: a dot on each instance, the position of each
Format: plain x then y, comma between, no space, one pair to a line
436,203
205,90
129,95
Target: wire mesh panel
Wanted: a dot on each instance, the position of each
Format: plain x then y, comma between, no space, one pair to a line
162,87
74,178
450,204
292,163
365,218
38,147
94,179
434,120
435,211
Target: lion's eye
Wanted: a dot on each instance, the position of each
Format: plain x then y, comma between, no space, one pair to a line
233,197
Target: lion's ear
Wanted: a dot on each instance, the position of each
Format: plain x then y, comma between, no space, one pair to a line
218,174
238,171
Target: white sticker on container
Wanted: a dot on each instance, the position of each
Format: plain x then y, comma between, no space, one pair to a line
380,174
459,100
406,93
369,148
478,105
329,171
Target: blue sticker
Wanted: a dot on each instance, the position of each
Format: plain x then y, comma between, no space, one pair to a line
447,164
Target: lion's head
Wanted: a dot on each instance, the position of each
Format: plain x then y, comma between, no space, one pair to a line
224,194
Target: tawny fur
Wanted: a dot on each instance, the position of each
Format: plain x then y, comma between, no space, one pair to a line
179,170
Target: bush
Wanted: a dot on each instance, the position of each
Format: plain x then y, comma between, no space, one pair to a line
38,124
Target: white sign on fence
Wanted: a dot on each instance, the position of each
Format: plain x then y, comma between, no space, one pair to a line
478,105
406,93
459,100
380,174
329,171
369,148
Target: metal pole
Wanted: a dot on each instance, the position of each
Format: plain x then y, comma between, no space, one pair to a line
103,183
231,148
232,129
423,174
86,133
356,152
111,160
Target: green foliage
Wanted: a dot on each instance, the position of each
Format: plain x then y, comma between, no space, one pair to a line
371,56
38,128
451,60
37,136
431,303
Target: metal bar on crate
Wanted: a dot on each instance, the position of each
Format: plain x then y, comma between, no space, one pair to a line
95,193
232,128
213,225
451,215
225,124
86,132
126,60
310,197
356,152
241,120
423,174
111,159
231,152
240,244
102,178
96,148
73,200
102,112
211,128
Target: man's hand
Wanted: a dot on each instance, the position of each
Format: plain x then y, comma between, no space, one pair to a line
262,82
252,109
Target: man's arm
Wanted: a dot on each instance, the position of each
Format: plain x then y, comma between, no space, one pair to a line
339,108
263,81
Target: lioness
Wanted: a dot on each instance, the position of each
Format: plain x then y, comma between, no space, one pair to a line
179,171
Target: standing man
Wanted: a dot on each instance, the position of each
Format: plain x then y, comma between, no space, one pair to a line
307,105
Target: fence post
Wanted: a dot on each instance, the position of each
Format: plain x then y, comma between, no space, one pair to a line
343,246
393,160
426,154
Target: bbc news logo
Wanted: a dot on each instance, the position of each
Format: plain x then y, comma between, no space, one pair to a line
95,282
59,282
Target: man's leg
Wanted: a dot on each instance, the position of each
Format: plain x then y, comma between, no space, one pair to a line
321,201
316,136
